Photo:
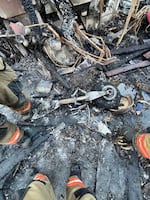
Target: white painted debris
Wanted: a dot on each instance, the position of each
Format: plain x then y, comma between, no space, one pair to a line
98,126
103,129
145,96
126,90
44,86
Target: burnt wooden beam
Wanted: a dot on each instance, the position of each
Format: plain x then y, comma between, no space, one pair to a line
120,70
126,58
130,49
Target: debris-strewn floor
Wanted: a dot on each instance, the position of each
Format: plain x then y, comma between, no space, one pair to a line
55,60
73,133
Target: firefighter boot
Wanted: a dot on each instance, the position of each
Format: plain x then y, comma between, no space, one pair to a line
76,189
11,134
142,144
22,105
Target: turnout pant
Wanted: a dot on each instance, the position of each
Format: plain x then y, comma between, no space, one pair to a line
42,190
11,95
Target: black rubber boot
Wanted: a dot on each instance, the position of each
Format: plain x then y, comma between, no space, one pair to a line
75,170
25,141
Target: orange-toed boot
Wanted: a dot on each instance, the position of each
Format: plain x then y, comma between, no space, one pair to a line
11,134
22,105
39,189
142,144
76,189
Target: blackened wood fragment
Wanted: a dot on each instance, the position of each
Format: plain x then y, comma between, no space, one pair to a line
128,68
126,58
130,49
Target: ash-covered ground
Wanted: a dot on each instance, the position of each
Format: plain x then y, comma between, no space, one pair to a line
74,133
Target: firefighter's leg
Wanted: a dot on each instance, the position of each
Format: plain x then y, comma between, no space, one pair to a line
76,190
9,132
40,189
11,93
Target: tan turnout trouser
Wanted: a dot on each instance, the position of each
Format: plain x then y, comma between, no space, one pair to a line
38,190
11,95
7,97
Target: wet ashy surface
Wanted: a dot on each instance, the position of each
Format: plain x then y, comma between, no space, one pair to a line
75,133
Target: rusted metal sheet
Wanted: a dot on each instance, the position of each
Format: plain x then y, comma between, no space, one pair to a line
10,8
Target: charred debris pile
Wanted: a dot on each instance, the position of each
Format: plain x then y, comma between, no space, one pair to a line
85,65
